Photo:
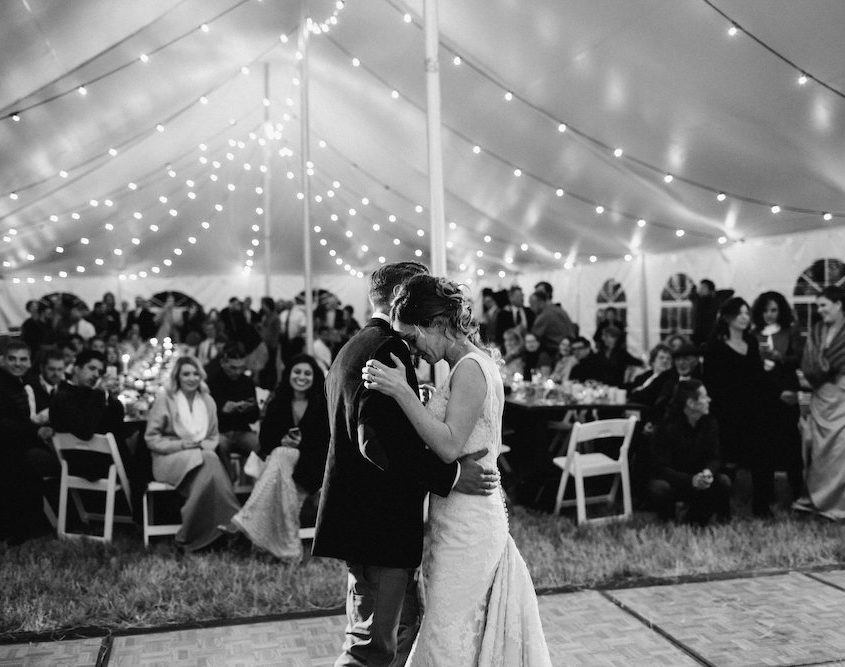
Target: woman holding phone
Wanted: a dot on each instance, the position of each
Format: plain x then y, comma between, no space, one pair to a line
294,441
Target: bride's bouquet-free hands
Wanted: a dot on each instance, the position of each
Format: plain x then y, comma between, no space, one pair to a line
392,382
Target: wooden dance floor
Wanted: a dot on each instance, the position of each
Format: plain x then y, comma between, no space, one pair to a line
796,618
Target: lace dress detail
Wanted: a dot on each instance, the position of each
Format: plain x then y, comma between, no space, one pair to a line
270,516
479,602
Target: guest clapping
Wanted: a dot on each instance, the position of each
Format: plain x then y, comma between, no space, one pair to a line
294,442
182,436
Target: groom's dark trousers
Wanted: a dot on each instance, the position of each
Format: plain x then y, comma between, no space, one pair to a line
371,506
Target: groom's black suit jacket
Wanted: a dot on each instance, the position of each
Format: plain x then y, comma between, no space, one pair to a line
371,505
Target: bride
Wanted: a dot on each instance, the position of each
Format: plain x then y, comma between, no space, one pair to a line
479,600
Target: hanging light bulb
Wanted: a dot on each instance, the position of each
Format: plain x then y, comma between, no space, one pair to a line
802,80
775,209
733,30
721,196
827,217
668,178
617,152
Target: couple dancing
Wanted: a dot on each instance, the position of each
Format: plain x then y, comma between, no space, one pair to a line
387,451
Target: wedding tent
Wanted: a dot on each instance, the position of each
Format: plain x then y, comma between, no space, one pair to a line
619,148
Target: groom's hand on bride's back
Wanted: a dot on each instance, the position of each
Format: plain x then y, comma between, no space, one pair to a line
477,479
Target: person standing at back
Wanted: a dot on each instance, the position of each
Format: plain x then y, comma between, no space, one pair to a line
377,474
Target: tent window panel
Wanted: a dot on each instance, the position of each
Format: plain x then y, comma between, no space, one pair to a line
820,274
612,294
675,306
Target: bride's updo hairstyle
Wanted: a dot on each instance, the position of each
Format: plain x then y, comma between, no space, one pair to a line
426,301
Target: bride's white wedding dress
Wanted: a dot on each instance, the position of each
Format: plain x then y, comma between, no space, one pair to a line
479,602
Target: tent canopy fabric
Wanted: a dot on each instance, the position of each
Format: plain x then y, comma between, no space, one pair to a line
170,132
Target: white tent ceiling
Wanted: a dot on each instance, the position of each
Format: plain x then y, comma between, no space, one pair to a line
660,79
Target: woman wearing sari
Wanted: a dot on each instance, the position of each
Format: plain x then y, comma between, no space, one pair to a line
823,365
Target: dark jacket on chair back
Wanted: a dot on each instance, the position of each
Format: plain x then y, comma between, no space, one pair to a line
371,505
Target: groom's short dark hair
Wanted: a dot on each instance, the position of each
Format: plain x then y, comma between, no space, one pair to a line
385,278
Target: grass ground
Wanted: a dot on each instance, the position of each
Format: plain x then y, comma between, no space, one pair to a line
47,585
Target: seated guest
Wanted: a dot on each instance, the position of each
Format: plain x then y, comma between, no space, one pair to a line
588,366
237,407
687,460
182,436
615,358
534,357
294,443
659,361
685,366
45,383
565,361
24,447
207,348
82,406
134,345
513,359
97,343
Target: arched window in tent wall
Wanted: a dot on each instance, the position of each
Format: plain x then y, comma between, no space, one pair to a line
612,294
675,306
814,279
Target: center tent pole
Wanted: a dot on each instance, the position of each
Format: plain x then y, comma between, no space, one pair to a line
437,208
268,134
302,49
435,147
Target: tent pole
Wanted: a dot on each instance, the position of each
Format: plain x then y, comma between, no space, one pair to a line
435,152
268,130
302,47
644,304
435,148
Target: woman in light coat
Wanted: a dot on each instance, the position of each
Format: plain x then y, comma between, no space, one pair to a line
182,436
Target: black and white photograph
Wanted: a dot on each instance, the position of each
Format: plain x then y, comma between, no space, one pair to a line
438,333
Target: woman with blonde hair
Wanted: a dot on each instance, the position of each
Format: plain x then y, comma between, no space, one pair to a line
182,436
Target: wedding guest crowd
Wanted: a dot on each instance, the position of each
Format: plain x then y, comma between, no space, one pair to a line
724,400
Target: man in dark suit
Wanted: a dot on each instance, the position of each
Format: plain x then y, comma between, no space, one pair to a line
514,316
377,474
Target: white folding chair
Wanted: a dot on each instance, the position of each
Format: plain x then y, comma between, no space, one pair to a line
579,466
153,529
102,443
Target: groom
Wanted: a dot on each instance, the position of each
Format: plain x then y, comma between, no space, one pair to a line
377,474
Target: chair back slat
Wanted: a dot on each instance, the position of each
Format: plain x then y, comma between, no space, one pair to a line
101,443
603,428
68,441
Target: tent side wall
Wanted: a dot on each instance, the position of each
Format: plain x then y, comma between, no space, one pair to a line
751,267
